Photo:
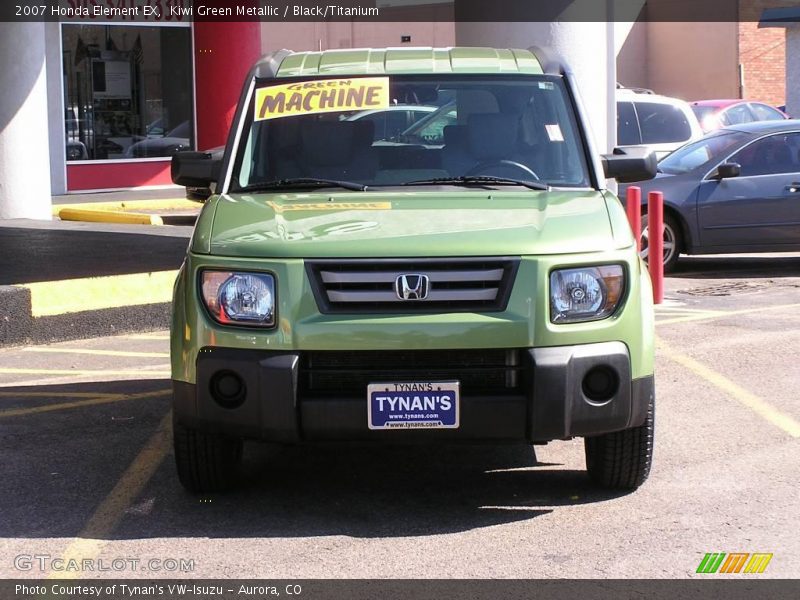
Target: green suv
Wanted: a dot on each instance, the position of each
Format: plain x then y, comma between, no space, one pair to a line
467,279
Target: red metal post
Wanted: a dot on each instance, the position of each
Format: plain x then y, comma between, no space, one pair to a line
633,205
655,253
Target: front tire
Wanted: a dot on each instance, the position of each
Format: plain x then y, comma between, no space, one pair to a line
621,460
673,243
206,462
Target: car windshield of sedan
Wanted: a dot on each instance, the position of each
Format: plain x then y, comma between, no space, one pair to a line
410,130
693,155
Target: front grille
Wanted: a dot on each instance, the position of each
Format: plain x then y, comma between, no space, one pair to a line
480,372
452,285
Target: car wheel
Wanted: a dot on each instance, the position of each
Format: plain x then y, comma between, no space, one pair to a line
206,462
621,460
672,242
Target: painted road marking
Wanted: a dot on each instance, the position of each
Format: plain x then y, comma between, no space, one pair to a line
661,309
727,313
56,394
96,352
89,543
94,293
735,391
98,399
147,336
84,372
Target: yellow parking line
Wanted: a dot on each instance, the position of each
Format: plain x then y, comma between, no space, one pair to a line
677,309
56,395
81,372
96,352
88,544
19,412
735,391
727,313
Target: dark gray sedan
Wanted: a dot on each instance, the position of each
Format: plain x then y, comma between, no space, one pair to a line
735,190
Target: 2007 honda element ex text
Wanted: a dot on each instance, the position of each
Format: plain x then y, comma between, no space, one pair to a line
412,245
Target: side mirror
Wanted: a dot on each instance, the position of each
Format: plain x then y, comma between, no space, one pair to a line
628,165
727,170
194,169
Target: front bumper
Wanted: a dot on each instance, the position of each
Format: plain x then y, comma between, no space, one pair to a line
547,400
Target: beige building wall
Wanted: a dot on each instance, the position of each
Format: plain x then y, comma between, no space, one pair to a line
631,47
325,36
433,26
693,61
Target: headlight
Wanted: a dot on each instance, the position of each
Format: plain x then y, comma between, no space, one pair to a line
585,293
236,298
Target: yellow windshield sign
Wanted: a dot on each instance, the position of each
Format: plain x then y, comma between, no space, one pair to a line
321,96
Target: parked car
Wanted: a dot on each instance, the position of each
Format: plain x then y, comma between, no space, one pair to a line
714,114
76,150
176,140
491,292
660,123
735,190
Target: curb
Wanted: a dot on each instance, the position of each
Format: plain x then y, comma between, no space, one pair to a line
55,311
108,216
118,211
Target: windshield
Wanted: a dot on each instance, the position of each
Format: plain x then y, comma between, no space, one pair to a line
691,156
387,131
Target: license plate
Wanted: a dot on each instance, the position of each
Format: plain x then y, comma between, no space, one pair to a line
413,405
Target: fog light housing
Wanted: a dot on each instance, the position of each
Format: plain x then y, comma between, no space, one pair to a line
600,384
228,389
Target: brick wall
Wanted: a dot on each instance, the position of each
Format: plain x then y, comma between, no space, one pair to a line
763,53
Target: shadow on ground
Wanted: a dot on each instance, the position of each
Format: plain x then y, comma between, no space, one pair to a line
55,251
737,267
59,466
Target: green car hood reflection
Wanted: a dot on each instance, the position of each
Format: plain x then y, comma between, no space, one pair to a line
398,224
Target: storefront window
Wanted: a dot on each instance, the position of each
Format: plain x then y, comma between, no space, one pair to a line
127,91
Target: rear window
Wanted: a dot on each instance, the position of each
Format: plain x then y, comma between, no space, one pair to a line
662,123
627,127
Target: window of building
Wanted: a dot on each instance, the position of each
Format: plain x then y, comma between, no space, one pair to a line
127,91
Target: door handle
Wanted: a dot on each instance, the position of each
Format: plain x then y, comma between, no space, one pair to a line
793,188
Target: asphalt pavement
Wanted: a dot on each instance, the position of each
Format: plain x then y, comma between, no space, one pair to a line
88,473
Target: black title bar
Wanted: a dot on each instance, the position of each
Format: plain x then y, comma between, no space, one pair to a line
179,11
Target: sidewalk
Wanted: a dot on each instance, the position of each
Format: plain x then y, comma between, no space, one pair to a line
63,280
168,193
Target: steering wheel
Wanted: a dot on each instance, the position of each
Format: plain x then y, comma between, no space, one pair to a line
485,166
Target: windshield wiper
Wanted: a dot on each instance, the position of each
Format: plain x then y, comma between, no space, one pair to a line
302,182
481,179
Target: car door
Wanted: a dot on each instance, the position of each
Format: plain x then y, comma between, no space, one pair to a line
760,207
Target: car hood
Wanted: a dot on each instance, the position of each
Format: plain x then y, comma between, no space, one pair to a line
415,223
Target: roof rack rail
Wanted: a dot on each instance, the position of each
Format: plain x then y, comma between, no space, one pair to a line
635,90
